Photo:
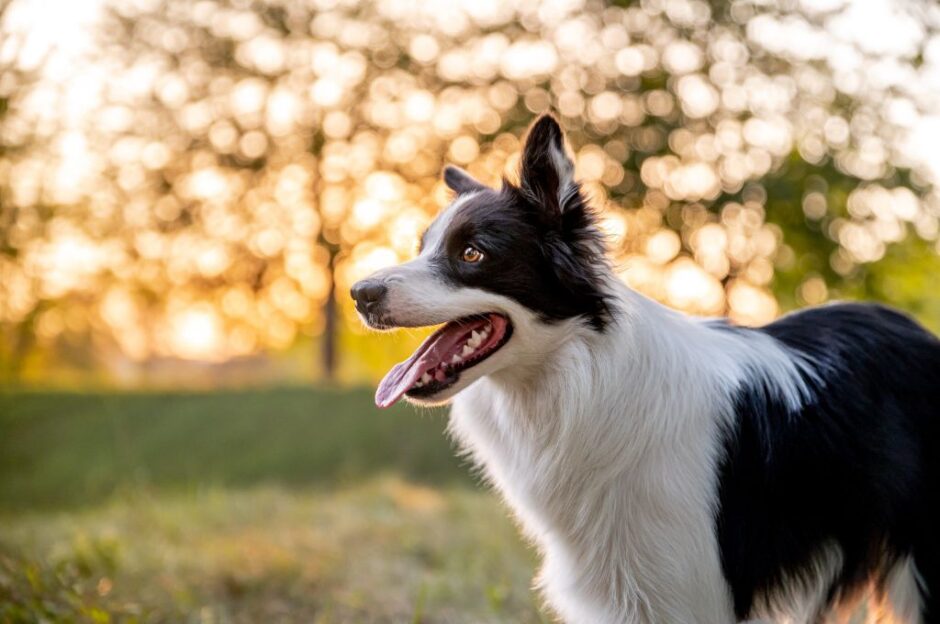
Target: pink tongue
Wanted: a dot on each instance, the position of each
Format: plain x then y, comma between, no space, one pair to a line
427,356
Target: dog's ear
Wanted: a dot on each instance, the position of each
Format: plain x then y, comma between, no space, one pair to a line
547,174
459,181
570,239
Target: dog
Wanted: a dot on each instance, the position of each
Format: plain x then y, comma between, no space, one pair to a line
669,469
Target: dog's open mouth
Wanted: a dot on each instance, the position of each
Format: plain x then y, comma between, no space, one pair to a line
438,362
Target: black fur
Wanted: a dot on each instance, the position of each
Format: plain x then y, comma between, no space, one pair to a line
859,466
542,176
460,181
542,249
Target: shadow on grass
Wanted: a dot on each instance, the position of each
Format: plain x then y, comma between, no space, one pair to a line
61,449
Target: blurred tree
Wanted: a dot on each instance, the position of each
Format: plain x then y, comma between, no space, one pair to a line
244,161
16,325
8,344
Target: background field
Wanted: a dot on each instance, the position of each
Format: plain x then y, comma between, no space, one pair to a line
283,505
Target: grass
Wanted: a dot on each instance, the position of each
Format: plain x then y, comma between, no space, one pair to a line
287,505
67,449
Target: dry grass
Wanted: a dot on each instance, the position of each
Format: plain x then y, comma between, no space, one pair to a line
279,505
383,551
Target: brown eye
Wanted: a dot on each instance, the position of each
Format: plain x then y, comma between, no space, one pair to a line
471,254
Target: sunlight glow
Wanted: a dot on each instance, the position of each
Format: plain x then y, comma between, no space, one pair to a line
195,334
244,182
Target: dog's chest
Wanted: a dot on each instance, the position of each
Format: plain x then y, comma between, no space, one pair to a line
612,514
532,466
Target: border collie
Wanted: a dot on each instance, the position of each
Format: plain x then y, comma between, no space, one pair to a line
669,469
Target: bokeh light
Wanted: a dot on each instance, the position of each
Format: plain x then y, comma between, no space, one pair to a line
204,180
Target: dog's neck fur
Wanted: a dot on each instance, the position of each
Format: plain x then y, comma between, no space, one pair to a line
604,452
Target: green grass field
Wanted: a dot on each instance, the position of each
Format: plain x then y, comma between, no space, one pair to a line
288,505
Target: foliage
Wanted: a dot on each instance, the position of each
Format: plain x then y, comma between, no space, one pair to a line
237,164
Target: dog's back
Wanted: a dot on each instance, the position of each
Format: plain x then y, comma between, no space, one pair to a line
849,483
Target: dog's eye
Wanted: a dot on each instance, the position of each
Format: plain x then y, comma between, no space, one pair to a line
471,254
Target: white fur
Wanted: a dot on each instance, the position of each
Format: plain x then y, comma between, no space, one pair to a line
903,592
564,168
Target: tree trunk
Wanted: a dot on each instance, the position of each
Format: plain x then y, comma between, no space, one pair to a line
329,344
329,333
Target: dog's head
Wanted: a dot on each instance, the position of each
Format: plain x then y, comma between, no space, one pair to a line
505,270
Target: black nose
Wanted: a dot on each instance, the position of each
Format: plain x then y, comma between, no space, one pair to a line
367,293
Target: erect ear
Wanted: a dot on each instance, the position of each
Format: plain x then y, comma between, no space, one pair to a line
460,181
547,174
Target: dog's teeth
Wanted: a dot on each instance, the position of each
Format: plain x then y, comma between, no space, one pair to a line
467,350
457,359
475,338
425,378
440,375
